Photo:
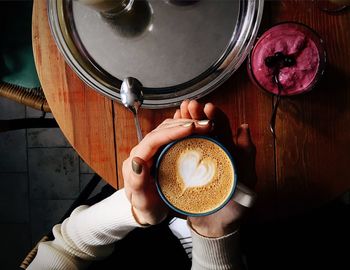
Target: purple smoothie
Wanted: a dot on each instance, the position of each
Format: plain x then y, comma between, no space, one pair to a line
288,40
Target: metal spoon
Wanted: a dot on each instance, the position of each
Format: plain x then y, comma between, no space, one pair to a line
275,105
132,97
276,62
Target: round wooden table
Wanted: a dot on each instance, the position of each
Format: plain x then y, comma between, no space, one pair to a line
306,166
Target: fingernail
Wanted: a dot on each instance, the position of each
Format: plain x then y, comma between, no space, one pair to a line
136,167
187,124
245,126
203,122
246,129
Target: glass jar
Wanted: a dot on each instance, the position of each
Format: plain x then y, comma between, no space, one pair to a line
290,56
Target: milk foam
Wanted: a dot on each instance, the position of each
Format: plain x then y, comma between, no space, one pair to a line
194,170
196,175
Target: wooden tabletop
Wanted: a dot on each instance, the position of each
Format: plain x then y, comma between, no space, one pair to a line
307,165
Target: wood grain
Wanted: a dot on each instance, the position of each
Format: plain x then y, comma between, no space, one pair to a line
305,167
85,117
125,131
242,103
313,143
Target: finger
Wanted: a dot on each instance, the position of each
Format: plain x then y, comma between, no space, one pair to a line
173,122
166,125
146,203
201,126
247,154
210,110
139,175
244,140
196,110
177,114
184,109
126,172
222,128
154,140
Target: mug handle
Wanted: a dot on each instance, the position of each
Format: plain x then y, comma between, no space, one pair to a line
244,195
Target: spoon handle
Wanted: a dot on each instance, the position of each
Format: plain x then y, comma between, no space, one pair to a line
275,105
273,115
138,128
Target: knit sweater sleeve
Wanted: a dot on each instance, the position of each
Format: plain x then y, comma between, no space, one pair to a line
87,235
222,253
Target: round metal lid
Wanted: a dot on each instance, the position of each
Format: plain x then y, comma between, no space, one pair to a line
176,51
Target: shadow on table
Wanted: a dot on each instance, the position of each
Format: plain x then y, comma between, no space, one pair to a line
324,107
317,240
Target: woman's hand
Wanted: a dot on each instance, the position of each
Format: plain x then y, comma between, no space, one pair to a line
242,148
147,207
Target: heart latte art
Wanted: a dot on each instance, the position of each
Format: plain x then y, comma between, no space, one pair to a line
195,175
194,170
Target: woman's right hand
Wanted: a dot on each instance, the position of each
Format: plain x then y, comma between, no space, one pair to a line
242,147
147,206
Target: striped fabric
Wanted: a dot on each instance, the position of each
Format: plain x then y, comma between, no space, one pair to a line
180,229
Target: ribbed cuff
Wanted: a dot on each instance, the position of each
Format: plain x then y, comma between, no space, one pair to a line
90,228
52,257
216,253
88,234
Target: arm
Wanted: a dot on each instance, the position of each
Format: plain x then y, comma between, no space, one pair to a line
215,237
88,234
216,253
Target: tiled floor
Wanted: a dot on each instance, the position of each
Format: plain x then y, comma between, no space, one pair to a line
40,176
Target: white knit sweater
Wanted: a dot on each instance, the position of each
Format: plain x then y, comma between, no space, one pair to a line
90,233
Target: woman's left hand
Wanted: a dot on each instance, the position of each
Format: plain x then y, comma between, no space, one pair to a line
147,207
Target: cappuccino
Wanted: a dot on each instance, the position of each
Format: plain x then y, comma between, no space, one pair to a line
195,175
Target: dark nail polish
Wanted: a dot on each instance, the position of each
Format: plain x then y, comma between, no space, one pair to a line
136,167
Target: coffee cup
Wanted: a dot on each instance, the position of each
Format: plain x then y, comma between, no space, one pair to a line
197,176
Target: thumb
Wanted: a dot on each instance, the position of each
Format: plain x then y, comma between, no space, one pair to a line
145,201
247,153
244,140
140,174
